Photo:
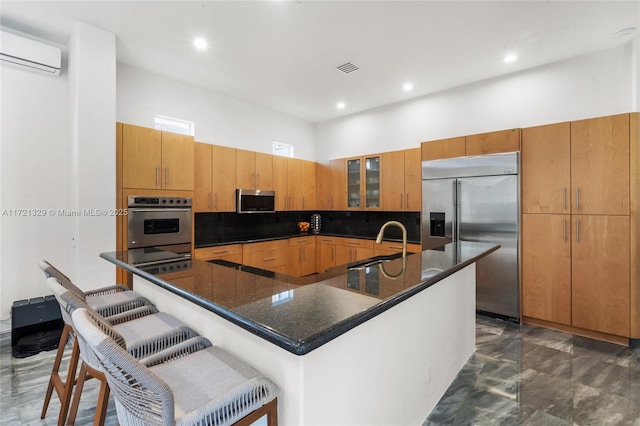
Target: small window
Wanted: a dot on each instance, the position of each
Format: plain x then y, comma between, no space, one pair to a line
282,149
174,125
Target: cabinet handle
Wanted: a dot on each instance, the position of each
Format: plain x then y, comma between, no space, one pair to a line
299,255
333,253
564,229
577,230
157,176
253,180
395,247
577,199
406,205
216,204
258,180
564,199
267,259
166,177
304,254
219,251
401,197
210,202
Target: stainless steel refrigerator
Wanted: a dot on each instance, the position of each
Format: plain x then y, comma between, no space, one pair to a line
477,199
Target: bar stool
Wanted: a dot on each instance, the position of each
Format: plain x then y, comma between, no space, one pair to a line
115,302
143,336
204,387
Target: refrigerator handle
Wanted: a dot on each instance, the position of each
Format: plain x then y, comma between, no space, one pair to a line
456,208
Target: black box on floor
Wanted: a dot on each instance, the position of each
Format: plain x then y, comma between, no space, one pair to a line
36,325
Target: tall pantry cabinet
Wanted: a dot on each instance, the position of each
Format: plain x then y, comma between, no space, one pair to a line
577,224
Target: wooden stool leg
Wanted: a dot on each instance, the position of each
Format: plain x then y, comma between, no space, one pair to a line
103,399
64,337
77,393
67,388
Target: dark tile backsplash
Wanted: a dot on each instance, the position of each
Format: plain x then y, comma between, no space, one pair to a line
219,228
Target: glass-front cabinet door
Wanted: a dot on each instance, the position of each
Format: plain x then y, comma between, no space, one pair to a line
353,184
372,182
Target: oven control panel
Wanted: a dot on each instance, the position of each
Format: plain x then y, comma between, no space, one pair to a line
159,202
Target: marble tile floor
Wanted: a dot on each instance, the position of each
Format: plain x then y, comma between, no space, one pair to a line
519,375
526,375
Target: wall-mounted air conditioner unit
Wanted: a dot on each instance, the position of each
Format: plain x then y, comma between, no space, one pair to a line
29,54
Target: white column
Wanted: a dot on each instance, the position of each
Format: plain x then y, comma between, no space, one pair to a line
92,98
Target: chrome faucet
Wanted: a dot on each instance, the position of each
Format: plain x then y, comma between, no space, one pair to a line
404,235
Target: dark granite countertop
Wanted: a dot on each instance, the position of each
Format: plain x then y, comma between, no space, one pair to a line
294,235
302,314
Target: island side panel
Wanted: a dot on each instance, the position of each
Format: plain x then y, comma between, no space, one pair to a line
284,368
394,368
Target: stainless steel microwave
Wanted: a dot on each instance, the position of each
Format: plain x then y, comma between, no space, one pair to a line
255,201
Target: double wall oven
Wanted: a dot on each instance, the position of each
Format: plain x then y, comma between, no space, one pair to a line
159,229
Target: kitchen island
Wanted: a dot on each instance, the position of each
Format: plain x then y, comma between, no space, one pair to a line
359,344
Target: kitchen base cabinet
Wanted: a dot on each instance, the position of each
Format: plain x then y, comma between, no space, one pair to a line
600,273
546,267
302,256
326,249
231,253
352,250
391,247
268,255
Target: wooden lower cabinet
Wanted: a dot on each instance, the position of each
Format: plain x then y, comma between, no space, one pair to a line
390,247
546,267
269,255
302,256
352,249
231,253
326,251
583,281
600,272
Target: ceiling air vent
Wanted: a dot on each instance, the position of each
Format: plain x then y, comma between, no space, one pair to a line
348,68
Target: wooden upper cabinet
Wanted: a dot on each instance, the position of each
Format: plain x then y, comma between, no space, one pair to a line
443,148
202,194
338,199
413,180
223,184
141,157
600,273
600,165
214,178
493,142
294,184
392,181
254,170
177,161
546,267
308,185
323,186
401,180
264,171
152,159
280,181
546,169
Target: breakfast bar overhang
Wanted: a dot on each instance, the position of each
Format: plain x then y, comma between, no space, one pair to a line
376,343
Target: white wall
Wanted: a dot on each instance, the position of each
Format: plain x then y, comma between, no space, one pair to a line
34,174
594,85
219,119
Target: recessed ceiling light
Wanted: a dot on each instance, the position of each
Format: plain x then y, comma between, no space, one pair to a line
512,57
407,87
625,32
340,105
200,43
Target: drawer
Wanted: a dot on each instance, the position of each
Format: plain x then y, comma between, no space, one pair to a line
264,245
301,241
270,260
355,243
328,240
209,253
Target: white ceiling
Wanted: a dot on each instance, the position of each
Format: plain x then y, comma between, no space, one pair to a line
283,54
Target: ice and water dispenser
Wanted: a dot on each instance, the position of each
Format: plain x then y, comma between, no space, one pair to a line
436,224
